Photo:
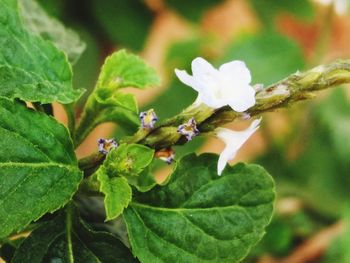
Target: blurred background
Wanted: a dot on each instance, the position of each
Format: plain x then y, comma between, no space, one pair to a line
305,148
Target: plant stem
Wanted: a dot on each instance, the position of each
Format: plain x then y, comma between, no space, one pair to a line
91,161
71,119
69,232
297,87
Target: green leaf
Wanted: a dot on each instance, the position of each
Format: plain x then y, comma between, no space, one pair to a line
144,182
200,216
39,171
51,242
38,22
31,68
128,160
107,102
338,251
192,10
122,69
124,163
267,10
117,194
270,56
126,23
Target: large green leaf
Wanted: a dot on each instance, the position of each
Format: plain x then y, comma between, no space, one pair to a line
123,164
68,239
31,68
37,21
200,216
107,102
39,171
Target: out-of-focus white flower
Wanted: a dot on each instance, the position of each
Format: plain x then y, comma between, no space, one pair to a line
228,85
340,6
233,140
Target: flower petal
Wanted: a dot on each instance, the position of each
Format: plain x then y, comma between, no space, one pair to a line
200,66
184,77
224,157
242,99
234,141
237,71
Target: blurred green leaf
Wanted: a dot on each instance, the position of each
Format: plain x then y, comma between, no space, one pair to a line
125,22
339,250
267,10
334,116
192,9
270,56
87,68
319,174
203,210
38,22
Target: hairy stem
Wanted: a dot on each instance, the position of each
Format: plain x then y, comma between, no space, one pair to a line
297,87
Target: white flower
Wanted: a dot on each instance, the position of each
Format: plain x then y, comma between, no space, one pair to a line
228,85
233,140
340,6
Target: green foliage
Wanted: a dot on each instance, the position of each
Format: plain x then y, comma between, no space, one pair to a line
67,238
39,23
39,171
144,182
123,164
31,68
124,22
126,70
107,102
267,10
117,194
269,56
200,216
339,251
192,9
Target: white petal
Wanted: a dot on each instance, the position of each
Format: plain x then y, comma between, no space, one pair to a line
224,157
234,141
201,66
184,77
242,99
236,71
